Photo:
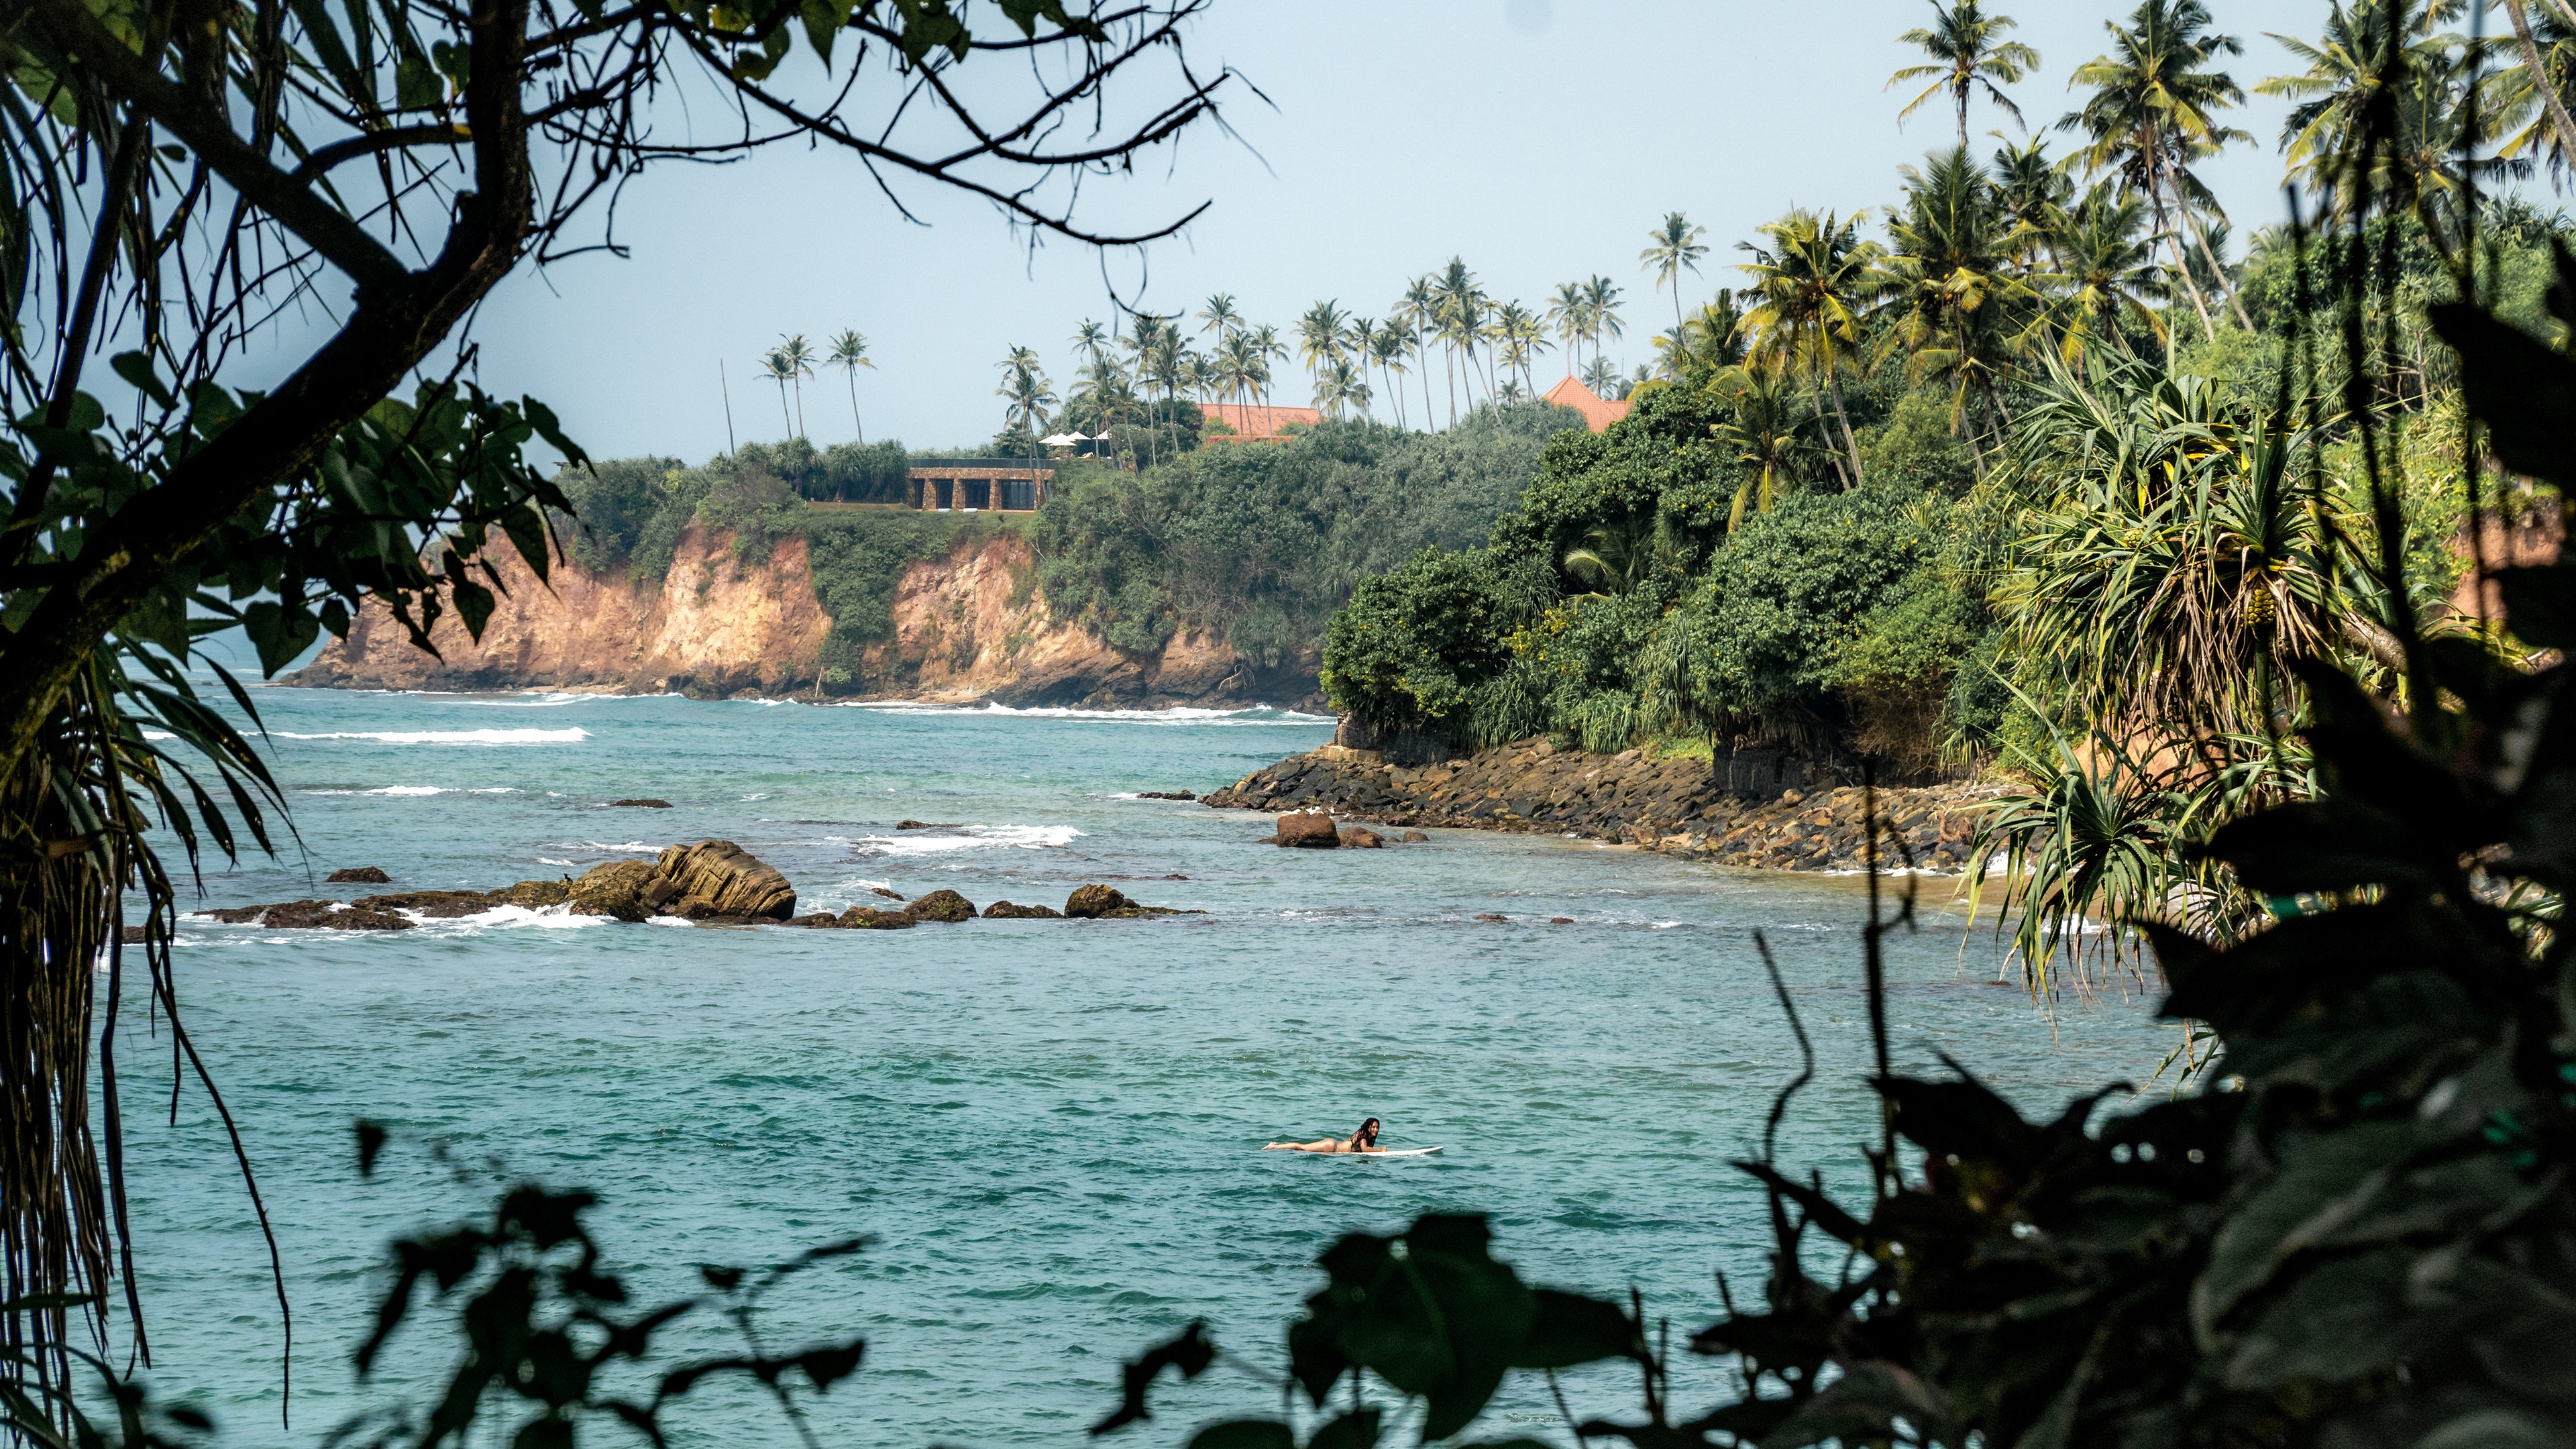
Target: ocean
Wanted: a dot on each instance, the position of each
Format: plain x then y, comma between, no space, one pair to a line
1050,1130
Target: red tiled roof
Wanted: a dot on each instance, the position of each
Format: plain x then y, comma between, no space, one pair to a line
1259,420
1597,414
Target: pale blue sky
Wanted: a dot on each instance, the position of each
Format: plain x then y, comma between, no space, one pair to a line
1538,139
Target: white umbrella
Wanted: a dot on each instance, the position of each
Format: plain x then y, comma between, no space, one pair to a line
1061,440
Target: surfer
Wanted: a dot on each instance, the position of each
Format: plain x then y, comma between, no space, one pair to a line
1364,1140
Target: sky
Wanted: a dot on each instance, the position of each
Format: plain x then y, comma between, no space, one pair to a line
1540,140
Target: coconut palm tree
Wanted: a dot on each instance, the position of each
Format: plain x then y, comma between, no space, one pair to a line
1270,348
1419,312
2033,194
2109,280
1602,376
799,357
1814,285
777,367
2153,110
1218,318
1387,347
1673,247
1955,299
1027,394
1769,428
1319,336
1571,316
2540,86
1968,53
1716,335
1460,317
850,353
1601,301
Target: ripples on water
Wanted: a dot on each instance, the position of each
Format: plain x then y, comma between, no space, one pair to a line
1051,1128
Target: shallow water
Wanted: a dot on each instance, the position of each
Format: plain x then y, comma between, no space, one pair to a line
1050,1128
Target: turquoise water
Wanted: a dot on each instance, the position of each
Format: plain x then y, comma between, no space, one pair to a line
1051,1128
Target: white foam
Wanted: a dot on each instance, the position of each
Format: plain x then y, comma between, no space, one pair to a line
545,860
1178,716
451,737
553,918
603,845
1025,837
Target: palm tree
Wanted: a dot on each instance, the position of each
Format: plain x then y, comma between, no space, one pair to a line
850,353
1571,316
1025,387
1090,339
1420,311
1459,316
1955,297
2541,83
1673,246
1319,336
2153,111
1219,318
1601,376
2409,100
1601,298
1388,346
798,354
1358,343
2109,279
777,367
2033,194
1767,427
1269,348
1968,52
1813,288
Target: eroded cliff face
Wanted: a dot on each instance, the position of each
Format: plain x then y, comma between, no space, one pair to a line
971,626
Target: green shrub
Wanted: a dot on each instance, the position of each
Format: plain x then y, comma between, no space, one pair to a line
1412,644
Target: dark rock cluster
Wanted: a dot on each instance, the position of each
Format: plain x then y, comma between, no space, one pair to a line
1677,805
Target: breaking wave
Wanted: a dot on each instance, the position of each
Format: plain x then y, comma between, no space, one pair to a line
451,737
975,837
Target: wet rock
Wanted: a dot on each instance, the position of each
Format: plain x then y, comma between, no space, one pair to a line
1165,795
1491,916
533,894
819,920
941,905
1560,920
733,880
358,875
910,825
639,804
1092,902
615,889
1006,911
1416,837
325,915
436,905
869,918
1357,837
889,895
234,915
1310,829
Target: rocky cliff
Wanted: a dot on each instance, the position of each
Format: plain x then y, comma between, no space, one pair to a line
970,626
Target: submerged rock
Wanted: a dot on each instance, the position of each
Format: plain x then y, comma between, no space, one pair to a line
330,916
358,875
732,880
941,905
615,889
1165,795
869,918
1311,829
641,804
437,905
1356,837
1416,837
1006,911
891,895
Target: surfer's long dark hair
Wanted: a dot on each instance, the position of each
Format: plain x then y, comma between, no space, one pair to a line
1368,1130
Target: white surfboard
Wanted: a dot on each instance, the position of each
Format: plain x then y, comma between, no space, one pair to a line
1389,1152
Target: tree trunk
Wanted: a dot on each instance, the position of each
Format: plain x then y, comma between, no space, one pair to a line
2182,268
2218,269
1834,385
2559,120
1963,115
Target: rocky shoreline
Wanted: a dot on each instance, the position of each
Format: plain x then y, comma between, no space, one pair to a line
1672,805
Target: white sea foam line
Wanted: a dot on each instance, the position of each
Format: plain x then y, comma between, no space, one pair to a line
554,918
1127,716
418,790
544,860
602,845
1027,837
451,737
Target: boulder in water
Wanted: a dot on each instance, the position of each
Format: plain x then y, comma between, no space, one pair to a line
1165,795
1092,902
1357,837
639,804
615,889
1006,911
329,916
868,918
437,905
732,880
1311,829
941,905
1415,837
892,895
358,875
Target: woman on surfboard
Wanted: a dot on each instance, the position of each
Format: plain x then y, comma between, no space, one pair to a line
1364,1140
